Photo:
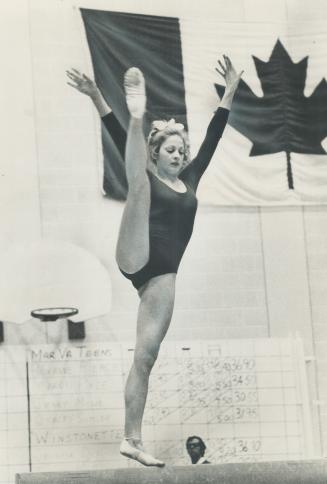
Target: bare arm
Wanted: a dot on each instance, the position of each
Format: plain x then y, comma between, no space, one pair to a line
87,86
231,78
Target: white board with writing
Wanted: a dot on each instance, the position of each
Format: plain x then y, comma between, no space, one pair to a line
62,407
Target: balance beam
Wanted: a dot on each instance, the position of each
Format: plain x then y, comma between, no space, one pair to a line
286,472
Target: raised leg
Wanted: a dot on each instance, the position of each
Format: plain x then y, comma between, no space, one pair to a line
132,251
154,316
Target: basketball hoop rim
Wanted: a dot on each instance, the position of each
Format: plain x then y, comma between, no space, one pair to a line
52,315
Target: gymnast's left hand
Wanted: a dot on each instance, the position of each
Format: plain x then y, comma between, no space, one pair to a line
226,70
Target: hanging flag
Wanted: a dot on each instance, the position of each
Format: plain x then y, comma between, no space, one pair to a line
274,150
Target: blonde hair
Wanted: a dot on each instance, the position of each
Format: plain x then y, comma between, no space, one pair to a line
158,136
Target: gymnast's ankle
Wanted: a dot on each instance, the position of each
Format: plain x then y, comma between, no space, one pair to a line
136,452
135,442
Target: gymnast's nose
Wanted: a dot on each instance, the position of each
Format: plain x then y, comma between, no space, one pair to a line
176,156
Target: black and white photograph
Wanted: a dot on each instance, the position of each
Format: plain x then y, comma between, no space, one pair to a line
163,248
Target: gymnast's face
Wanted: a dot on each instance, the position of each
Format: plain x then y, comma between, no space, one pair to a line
171,156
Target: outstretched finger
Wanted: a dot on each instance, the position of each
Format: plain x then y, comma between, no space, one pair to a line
222,74
71,75
77,75
87,78
77,72
222,66
228,61
73,85
74,76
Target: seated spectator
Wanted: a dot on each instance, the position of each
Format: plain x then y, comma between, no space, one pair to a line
196,448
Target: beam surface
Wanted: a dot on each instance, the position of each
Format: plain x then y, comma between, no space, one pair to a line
287,472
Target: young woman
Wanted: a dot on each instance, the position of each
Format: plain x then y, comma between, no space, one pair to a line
157,224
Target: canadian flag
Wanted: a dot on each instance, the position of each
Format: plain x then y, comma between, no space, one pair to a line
273,151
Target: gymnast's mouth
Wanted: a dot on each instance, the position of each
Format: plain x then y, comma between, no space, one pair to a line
175,163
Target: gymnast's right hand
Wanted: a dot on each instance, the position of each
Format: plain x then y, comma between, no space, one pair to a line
82,83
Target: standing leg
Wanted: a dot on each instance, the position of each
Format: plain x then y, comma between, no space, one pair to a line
155,312
132,251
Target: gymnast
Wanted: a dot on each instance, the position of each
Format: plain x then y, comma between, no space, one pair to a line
156,225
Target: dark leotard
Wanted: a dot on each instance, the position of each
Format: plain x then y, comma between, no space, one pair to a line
172,213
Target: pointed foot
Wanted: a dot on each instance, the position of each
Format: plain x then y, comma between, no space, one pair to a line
135,92
134,450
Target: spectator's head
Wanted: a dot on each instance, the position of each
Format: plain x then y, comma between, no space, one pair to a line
195,448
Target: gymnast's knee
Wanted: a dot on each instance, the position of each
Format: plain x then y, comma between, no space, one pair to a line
145,358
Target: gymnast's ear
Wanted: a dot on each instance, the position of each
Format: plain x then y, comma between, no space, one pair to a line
153,153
